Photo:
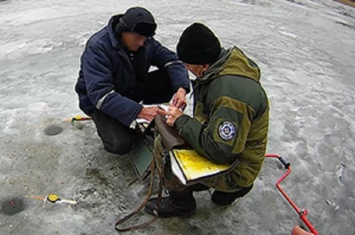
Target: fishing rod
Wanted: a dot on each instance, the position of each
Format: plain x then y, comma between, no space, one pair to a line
77,118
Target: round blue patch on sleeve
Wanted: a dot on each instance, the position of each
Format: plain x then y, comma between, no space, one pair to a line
226,130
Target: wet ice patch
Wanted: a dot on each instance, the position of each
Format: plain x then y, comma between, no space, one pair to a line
340,172
53,130
12,205
296,2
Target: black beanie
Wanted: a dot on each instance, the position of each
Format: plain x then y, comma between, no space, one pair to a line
198,45
139,20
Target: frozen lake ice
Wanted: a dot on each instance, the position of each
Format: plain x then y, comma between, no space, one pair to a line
306,53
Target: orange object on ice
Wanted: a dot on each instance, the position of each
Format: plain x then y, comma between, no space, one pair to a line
298,231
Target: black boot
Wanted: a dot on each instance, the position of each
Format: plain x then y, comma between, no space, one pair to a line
224,198
180,204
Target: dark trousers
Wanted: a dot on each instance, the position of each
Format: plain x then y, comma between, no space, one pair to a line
118,138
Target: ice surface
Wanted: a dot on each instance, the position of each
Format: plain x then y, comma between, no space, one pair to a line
306,52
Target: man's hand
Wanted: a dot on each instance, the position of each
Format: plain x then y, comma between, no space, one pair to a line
148,113
171,115
179,100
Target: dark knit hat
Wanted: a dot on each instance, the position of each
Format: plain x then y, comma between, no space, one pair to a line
198,45
139,20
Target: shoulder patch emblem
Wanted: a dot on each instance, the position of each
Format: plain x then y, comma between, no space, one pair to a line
226,130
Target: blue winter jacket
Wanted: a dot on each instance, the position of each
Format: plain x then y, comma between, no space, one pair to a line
106,77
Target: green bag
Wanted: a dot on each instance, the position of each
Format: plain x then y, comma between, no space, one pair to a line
141,156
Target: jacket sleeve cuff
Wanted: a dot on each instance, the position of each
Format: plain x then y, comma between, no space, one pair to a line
139,109
180,122
135,116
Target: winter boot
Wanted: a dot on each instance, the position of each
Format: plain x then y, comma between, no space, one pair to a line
178,203
224,198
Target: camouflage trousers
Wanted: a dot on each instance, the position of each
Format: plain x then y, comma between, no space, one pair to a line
223,182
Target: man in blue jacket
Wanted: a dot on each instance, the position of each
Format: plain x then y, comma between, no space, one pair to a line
114,78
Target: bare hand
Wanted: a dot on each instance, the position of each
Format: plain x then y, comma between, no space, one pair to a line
171,115
179,100
148,113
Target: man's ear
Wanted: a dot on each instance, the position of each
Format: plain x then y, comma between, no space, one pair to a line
205,66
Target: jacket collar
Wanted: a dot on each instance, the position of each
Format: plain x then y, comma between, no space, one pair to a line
216,67
234,62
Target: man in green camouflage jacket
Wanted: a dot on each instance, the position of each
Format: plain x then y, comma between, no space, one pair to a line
230,123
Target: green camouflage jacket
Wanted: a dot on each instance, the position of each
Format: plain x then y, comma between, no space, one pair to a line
231,116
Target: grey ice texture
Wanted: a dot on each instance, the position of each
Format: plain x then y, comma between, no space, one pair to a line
306,53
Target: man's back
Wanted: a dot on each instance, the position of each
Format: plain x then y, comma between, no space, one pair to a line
232,101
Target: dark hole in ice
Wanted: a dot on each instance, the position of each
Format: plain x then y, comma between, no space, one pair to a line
13,205
53,130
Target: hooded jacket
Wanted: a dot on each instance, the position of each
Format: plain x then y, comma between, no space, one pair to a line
231,116
107,80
